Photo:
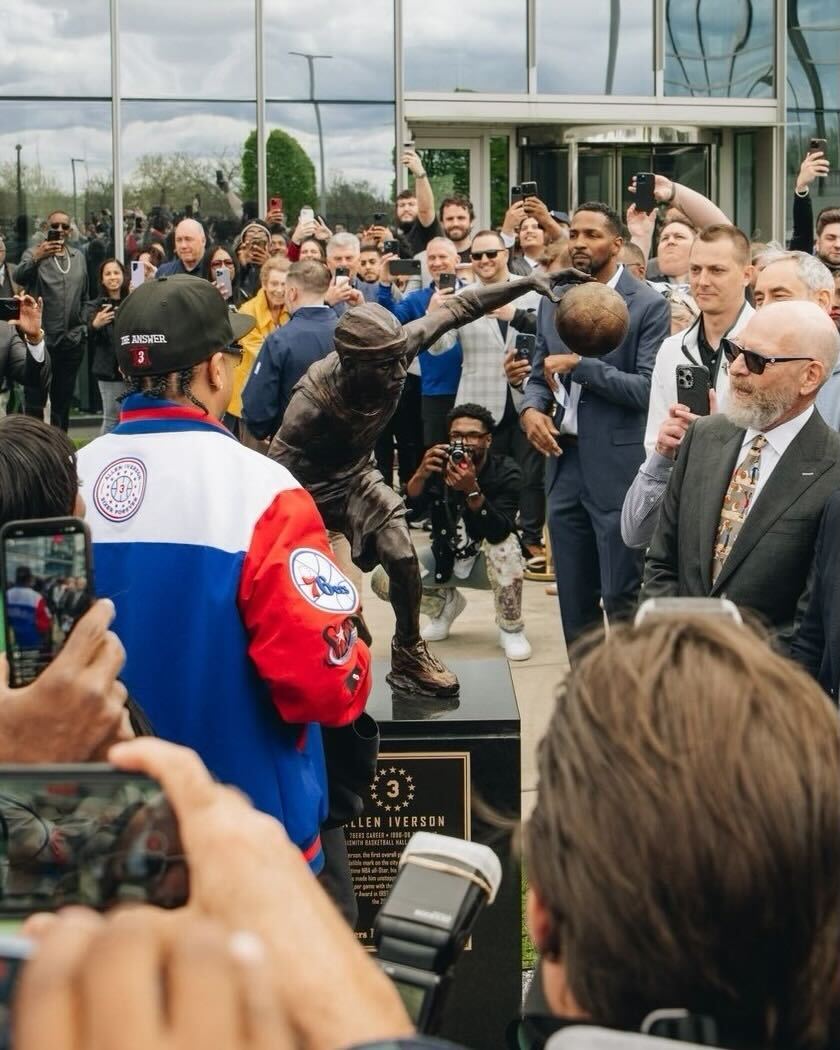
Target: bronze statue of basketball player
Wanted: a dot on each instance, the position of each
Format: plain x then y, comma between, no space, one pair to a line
336,413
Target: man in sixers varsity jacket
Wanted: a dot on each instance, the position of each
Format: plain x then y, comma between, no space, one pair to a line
236,622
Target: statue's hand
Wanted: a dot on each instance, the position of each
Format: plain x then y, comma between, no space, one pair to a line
546,284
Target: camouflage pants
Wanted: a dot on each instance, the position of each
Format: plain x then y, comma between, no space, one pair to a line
499,567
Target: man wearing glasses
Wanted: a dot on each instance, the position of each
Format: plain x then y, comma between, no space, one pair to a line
56,273
745,498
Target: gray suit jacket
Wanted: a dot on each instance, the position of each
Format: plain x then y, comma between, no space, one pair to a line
767,568
17,365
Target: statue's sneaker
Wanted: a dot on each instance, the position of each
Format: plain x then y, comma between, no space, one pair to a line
414,669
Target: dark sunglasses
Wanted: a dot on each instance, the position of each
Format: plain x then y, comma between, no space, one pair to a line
491,254
756,363
59,225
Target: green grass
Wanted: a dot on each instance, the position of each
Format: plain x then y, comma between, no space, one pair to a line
529,952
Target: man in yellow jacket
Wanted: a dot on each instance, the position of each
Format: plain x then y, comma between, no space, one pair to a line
268,308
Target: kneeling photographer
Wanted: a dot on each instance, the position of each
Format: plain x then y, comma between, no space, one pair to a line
471,496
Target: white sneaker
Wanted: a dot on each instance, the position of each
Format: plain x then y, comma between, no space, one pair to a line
437,629
515,645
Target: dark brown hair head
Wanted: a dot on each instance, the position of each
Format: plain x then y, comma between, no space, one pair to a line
686,836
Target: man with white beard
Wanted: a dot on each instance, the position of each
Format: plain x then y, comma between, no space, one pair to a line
745,498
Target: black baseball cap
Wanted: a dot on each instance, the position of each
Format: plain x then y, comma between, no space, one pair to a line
173,323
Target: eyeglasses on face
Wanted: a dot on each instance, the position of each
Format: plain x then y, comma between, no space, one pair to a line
60,226
756,363
491,253
468,435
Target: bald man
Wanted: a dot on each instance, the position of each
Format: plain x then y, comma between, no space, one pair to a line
782,276
744,500
190,242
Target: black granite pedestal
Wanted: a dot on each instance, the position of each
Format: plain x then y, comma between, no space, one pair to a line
449,767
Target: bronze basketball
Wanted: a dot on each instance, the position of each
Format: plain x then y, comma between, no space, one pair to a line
591,319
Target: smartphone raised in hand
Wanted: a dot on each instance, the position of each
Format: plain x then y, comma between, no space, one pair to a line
46,572
342,276
525,346
86,835
404,267
446,282
138,274
645,182
275,204
55,235
818,146
306,215
221,274
693,388
10,309
378,218
528,189
391,247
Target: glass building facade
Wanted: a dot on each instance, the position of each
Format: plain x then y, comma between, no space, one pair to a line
110,109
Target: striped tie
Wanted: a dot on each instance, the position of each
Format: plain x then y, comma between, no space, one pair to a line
736,503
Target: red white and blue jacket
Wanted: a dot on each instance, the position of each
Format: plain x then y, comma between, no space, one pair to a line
234,618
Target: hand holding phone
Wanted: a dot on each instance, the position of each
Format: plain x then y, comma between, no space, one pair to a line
306,215
223,282
447,282
693,388
342,276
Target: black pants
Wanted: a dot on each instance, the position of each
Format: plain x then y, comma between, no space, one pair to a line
591,561
406,429
509,439
335,875
435,408
65,359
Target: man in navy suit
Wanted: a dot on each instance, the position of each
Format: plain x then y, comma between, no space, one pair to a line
594,442
816,644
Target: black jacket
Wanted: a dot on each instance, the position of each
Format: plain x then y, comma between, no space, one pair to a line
803,225
816,645
767,570
102,345
17,365
500,480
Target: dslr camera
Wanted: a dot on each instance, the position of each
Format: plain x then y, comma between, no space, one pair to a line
458,452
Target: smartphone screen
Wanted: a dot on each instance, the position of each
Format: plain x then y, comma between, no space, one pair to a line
89,835
138,274
47,585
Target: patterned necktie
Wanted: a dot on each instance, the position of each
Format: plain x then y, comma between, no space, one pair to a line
736,503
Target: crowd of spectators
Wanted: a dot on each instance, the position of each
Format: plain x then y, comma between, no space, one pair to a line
684,851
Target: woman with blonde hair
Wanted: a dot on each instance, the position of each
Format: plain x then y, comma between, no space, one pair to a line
268,308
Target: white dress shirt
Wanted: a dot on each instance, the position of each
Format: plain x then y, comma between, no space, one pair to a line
778,439
569,399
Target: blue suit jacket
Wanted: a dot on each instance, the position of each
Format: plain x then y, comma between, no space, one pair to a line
613,405
283,359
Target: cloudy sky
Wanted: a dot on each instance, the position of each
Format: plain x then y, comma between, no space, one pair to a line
201,54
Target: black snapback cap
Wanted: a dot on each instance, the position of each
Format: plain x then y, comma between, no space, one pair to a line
173,323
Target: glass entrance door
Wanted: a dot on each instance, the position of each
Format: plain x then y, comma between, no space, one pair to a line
582,171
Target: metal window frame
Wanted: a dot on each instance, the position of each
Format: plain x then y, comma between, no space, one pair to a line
505,113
